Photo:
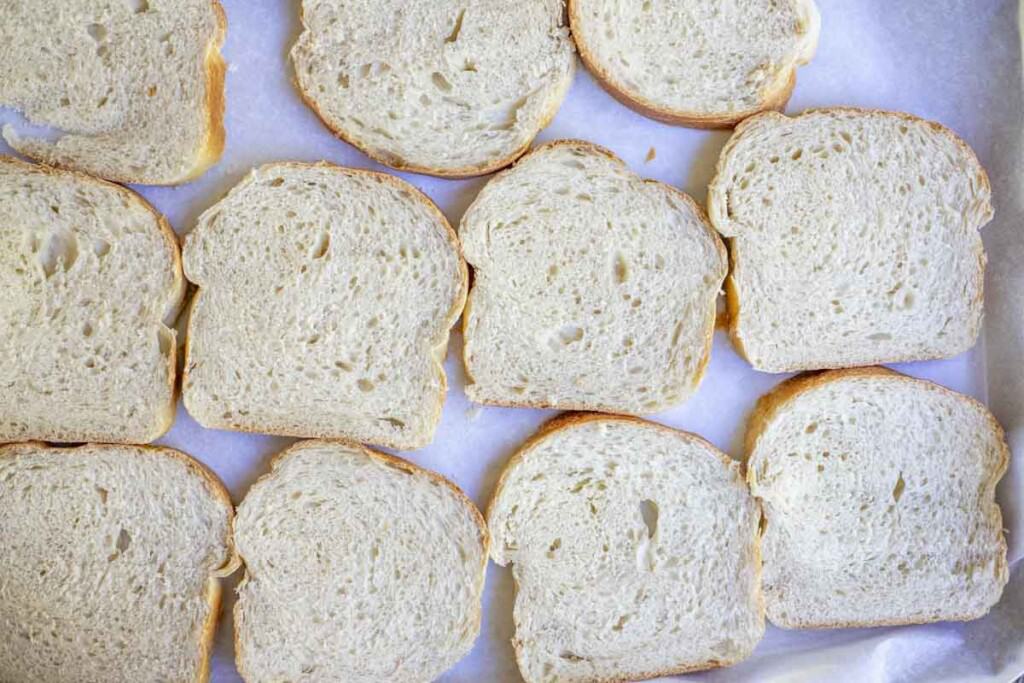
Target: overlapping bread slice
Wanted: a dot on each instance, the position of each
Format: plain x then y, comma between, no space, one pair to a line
878,493
634,550
325,299
359,567
593,288
133,90
446,87
853,237
702,63
92,279
111,563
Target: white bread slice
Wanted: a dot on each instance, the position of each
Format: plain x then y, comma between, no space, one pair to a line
853,237
325,299
593,288
359,567
878,493
447,87
701,63
134,89
634,551
92,280
111,563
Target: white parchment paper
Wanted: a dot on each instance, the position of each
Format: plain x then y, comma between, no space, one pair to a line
955,61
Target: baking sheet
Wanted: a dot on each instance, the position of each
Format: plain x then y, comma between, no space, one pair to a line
955,61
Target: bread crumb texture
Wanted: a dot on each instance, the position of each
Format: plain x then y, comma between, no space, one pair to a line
593,288
879,498
109,565
854,239
634,551
450,87
359,567
92,281
130,90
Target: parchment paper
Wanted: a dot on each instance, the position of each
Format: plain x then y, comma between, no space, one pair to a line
955,61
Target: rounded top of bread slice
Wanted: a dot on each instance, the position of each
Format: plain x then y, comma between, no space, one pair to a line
359,567
854,238
594,289
700,63
879,498
129,91
92,280
634,549
445,87
110,564
326,295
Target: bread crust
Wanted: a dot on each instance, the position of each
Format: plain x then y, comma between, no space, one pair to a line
774,98
216,69
173,306
214,485
392,461
439,349
574,419
710,325
716,206
769,405
399,164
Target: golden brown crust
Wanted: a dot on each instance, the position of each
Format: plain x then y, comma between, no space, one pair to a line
733,295
773,100
769,405
213,143
590,147
395,162
575,419
392,461
213,484
439,349
177,292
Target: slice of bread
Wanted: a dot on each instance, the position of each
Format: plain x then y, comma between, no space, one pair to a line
878,492
853,237
696,62
325,299
132,90
634,551
111,563
92,282
359,567
446,87
593,288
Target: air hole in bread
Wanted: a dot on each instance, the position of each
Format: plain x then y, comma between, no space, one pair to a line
138,6
97,32
621,269
649,512
440,82
365,385
897,490
454,35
